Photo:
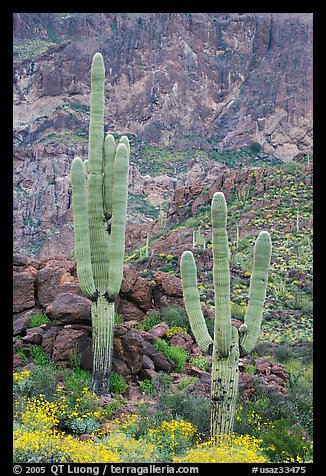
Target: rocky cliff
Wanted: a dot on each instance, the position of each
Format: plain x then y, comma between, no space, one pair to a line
200,82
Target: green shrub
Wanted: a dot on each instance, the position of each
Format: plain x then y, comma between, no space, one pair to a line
39,357
284,442
201,362
38,320
80,426
249,369
175,317
192,408
255,148
175,353
186,382
118,384
162,382
149,322
147,387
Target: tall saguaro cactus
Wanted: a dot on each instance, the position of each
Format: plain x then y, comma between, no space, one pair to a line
99,224
228,342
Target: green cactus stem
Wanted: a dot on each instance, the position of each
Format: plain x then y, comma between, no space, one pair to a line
99,214
228,341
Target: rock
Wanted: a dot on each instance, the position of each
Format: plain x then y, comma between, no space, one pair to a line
120,329
20,324
135,288
148,363
51,280
17,361
149,374
85,437
48,340
33,336
23,289
170,285
247,384
159,330
69,308
128,347
182,339
197,372
69,343
120,367
160,361
128,310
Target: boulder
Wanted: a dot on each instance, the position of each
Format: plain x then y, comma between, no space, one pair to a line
159,330
183,340
69,308
128,347
20,324
55,277
169,284
128,310
135,288
33,336
70,342
23,289
159,360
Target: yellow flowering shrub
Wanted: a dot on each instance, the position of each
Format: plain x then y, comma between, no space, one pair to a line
130,449
38,414
174,330
231,449
51,446
21,376
173,437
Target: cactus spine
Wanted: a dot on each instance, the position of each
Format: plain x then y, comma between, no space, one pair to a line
229,342
99,225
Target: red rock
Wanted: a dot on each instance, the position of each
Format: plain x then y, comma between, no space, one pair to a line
69,308
135,288
182,339
128,347
33,336
69,342
51,280
159,330
23,289
170,285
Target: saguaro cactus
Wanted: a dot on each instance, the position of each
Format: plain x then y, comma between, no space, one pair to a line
99,225
229,342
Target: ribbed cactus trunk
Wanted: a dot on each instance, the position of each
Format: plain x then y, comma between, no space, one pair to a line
228,341
99,212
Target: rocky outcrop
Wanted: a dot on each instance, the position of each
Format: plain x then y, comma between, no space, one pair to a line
189,81
175,77
68,334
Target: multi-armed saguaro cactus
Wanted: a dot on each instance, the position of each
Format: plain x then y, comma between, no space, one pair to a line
99,224
229,342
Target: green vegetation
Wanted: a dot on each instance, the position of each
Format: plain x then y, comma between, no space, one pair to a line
175,353
38,320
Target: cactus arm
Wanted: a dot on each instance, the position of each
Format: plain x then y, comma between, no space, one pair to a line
81,230
96,126
118,226
192,302
109,155
257,292
124,140
221,275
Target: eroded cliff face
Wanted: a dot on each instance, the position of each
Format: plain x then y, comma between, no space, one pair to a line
204,80
231,78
